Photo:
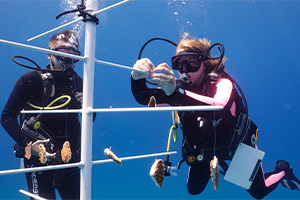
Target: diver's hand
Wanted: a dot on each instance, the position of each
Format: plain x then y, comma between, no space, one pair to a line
143,64
79,97
35,148
164,76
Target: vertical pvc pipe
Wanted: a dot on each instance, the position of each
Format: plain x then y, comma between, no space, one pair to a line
88,93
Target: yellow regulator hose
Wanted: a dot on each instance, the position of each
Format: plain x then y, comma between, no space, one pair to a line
48,107
173,129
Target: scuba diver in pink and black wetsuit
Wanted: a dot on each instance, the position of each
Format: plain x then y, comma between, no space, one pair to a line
204,82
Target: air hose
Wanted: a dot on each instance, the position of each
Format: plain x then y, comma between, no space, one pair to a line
48,107
173,129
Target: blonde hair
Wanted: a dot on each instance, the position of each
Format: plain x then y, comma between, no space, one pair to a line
201,47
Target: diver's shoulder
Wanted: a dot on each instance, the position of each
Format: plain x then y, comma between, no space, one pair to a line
31,76
224,82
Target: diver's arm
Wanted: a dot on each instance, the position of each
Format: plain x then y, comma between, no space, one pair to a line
221,98
15,104
142,93
139,88
164,95
224,89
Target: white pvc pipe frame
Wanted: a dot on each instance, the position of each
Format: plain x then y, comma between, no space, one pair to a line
87,106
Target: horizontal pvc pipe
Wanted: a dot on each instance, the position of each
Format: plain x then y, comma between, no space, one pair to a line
66,55
77,20
156,109
44,168
55,29
119,66
135,157
32,195
70,165
136,109
110,7
52,111
25,46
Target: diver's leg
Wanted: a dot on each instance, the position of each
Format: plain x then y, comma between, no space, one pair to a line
198,177
39,183
273,178
264,184
258,188
70,186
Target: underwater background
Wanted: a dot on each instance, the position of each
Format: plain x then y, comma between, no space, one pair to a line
262,44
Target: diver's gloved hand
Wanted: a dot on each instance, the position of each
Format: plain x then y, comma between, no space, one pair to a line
143,64
168,169
164,77
19,151
79,97
36,149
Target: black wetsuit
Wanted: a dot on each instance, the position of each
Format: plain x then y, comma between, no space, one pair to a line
199,135
61,127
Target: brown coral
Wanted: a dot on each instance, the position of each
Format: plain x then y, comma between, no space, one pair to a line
66,153
110,154
152,102
157,172
42,154
28,151
215,172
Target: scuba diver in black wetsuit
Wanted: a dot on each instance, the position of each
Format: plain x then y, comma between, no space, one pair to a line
205,134
37,89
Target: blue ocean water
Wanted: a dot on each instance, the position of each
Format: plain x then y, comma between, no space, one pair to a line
261,40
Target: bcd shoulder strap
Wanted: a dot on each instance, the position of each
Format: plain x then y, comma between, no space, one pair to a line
48,83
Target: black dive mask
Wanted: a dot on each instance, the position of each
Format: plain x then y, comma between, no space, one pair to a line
186,61
69,50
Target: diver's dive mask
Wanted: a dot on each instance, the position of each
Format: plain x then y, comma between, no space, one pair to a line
187,61
69,50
